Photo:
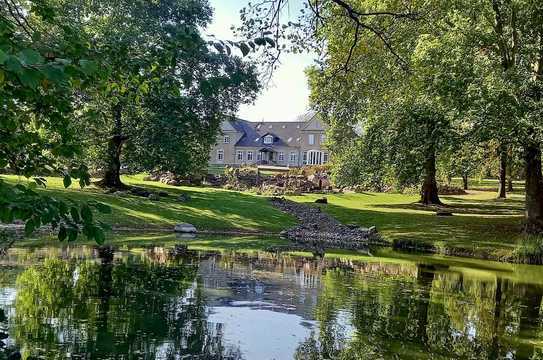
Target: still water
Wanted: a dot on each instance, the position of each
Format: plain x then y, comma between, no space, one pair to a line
142,303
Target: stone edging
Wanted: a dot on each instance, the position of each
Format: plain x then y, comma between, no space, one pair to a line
319,231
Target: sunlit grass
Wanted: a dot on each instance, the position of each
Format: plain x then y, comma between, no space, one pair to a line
209,208
480,220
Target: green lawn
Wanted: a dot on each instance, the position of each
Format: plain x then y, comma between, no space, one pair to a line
486,184
480,220
209,208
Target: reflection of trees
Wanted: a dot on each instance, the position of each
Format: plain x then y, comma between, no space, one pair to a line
112,309
431,314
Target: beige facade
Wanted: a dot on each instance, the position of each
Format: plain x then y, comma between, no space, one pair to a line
288,144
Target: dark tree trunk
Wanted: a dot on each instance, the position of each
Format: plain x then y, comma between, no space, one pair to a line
112,175
465,181
429,192
503,173
534,189
510,184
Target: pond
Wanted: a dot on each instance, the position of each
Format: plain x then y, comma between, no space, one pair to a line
143,303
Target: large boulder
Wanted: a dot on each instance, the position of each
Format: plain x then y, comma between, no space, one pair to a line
185,228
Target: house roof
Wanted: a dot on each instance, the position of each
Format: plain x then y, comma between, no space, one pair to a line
285,133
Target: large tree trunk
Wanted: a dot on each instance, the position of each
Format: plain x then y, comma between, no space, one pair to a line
503,172
429,192
112,175
465,181
534,189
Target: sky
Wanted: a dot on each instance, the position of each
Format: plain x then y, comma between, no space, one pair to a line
286,96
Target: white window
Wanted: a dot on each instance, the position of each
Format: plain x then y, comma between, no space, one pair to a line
259,156
249,156
305,158
220,155
226,139
292,157
268,139
323,139
240,155
311,139
281,156
315,157
324,158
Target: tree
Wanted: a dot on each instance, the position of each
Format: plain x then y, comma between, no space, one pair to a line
43,63
166,89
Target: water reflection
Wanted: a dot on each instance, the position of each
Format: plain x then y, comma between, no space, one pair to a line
146,303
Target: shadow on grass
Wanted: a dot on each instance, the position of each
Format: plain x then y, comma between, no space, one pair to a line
508,207
465,231
212,209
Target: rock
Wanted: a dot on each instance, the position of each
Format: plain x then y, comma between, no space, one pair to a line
372,230
183,198
172,182
352,226
322,201
185,228
154,197
444,213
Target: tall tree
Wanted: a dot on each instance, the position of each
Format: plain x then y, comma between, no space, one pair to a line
167,87
44,62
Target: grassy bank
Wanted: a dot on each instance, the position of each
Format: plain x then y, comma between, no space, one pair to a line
209,208
482,225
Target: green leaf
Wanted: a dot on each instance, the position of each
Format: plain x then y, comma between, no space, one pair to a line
103,208
62,233
3,57
14,65
54,73
30,57
245,49
99,235
30,78
67,180
74,213
6,215
72,234
86,214
88,67
30,226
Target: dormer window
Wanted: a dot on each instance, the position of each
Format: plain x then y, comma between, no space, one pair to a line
268,139
227,139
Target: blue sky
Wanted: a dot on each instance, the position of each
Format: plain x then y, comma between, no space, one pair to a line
287,95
